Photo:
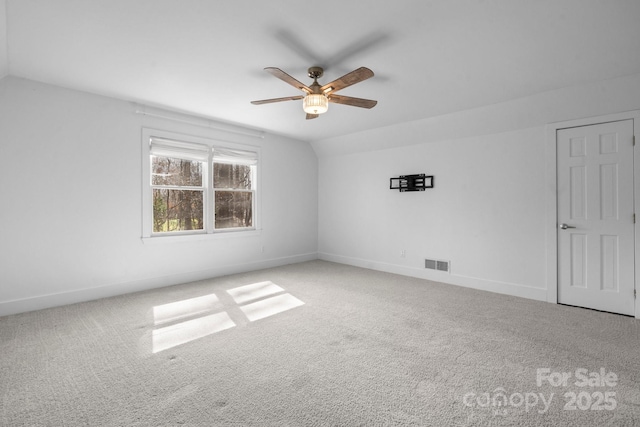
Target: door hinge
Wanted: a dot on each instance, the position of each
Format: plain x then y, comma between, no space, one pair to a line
634,140
634,218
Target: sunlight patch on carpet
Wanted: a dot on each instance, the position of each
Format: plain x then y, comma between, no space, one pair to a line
254,291
190,319
270,306
186,308
184,332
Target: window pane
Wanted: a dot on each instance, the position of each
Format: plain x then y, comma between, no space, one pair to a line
237,177
172,171
234,209
177,210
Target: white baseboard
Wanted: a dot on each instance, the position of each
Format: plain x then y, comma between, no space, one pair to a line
513,289
88,294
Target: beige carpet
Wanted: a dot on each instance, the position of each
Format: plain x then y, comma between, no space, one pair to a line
318,344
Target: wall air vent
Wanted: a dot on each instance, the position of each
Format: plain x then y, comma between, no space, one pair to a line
434,264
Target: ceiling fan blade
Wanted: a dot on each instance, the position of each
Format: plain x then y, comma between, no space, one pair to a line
355,102
269,101
312,116
277,72
356,76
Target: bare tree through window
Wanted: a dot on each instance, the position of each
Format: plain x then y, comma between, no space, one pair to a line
233,195
177,195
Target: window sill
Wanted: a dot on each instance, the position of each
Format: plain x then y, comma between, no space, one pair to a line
200,236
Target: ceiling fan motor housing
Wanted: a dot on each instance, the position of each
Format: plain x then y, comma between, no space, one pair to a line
315,72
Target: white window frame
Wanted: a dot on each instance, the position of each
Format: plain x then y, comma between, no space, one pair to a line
209,230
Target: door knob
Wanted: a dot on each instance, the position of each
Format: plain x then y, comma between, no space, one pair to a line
565,226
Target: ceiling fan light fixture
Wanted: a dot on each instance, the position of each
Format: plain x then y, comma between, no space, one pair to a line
315,103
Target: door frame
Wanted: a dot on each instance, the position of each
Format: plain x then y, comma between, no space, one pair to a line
551,197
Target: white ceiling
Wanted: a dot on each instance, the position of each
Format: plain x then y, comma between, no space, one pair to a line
430,57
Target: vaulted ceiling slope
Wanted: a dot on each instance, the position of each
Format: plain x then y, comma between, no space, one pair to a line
430,57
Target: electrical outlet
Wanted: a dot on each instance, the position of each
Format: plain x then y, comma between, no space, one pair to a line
403,253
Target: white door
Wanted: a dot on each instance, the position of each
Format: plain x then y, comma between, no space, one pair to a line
596,217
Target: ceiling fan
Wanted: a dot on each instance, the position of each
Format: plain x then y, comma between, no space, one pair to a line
316,99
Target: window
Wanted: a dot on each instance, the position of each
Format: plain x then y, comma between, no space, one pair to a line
198,187
233,178
177,184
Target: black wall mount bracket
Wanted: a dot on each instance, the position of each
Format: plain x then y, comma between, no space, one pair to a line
416,182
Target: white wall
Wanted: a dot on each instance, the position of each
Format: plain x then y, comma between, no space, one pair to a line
70,185
484,214
487,213
4,58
